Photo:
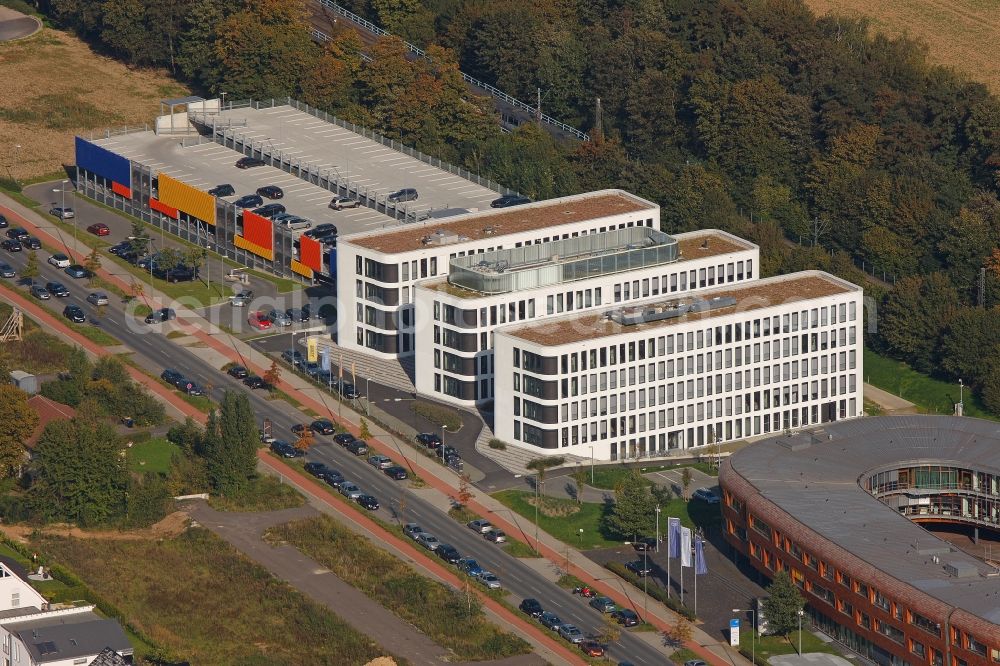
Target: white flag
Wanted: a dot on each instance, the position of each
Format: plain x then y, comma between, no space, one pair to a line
685,546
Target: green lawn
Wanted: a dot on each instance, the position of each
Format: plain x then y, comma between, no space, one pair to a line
193,294
608,476
567,527
153,455
772,646
932,396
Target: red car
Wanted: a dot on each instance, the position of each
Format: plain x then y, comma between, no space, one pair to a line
99,229
592,648
259,321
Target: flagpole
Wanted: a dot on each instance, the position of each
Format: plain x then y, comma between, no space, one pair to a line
669,557
696,587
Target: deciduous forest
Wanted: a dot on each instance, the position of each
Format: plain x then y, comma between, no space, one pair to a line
830,146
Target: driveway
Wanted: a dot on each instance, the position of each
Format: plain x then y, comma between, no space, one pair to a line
15,25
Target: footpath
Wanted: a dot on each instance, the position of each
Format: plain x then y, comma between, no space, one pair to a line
219,348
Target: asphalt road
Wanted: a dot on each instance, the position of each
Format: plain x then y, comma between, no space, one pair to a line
153,352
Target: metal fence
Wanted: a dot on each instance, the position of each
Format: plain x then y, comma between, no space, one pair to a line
495,92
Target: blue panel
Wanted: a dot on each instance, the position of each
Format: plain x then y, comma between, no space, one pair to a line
103,162
333,262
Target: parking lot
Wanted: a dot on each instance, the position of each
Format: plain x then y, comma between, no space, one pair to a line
364,163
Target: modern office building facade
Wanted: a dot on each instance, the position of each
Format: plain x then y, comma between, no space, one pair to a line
378,271
682,371
458,315
840,509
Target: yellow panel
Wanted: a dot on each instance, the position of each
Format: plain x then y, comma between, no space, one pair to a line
244,244
302,269
186,198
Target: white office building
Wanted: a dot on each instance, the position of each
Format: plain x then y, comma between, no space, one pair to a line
682,371
377,272
456,316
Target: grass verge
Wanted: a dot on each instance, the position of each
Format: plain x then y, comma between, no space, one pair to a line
452,619
94,334
439,415
773,646
516,548
153,455
931,396
221,609
266,493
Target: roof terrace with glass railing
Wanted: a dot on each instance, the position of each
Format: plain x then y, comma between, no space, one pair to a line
567,260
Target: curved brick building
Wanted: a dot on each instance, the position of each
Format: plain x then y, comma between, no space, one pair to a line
840,507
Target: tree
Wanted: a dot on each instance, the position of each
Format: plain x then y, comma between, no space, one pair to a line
138,239
580,476
30,270
137,289
79,473
93,264
148,498
686,480
363,430
273,374
17,421
186,435
782,606
634,509
540,465
679,634
610,631
232,439
305,439
464,490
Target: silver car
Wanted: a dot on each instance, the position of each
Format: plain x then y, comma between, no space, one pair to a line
279,318
571,633
350,490
490,580
97,298
428,541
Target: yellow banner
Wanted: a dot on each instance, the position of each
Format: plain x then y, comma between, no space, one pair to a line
312,350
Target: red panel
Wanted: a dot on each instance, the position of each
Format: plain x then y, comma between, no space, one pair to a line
311,253
162,208
258,230
122,190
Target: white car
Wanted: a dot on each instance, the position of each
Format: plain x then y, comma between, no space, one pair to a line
60,260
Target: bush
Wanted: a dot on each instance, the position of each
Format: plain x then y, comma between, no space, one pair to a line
437,414
148,500
498,444
657,593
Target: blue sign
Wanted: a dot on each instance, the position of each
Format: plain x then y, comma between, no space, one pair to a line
734,633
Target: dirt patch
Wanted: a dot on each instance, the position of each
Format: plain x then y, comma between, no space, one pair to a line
959,33
169,527
554,508
55,87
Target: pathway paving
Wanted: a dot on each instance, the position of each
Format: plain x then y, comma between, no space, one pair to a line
15,25
889,402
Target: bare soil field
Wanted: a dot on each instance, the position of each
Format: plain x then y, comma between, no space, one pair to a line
961,34
54,87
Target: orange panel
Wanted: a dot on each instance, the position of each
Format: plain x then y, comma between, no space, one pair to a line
301,269
243,243
162,208
122,190
258,230
311,253
186,198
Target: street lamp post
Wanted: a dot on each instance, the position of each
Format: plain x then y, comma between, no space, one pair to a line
223,99
208,271
961,398
17,153
580,531
801,613
658,529
645,578
591,465
62,209
753,631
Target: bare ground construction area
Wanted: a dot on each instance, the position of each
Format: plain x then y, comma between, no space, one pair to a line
55,86
961,34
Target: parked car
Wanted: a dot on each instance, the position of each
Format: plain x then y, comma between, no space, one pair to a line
626,617
269,210
248,163
320,230
12,245
293,356
278,318
357,447
241,299
18,234
706,495
571,633
270,192
405,194
412,530
489,579
249,201
603,604
550,620
59,260
695,662
40,292
639,568
496,536
508,200
97,298
255,382
6,270
62,213
379,461
592,648
470,566
286,450
428,541
318,469
293,223
160,316
120,248
395,472
171,376
238,371
344,438
77,272
349,392
334,479
350,490
191,388
99,229
259,321
480,525
3,222
296,315
448,553
367,501
429,439
225,190
31,243
340,203
645,543
531,607
74,313
57,289
322,427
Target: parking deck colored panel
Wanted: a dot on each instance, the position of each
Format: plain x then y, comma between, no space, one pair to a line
187,199
244,244
301,269
311,253
258,230
161,207
103,162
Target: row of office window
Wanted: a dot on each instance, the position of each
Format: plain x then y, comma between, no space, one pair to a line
684,280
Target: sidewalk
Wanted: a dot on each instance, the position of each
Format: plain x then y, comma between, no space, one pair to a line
442,479
891,403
